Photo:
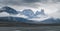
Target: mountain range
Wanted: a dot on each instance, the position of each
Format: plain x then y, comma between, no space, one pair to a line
23,20
30,14
26,12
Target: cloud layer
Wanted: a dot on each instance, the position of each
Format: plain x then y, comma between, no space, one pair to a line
49,6
28,3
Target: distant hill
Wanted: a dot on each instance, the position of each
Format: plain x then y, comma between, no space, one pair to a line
51,21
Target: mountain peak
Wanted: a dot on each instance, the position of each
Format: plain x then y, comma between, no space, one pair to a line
28,12
40,12
8,10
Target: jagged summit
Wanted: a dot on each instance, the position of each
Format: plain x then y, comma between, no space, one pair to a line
40,12
31,14
8,10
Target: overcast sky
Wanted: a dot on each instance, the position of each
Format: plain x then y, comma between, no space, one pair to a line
50,6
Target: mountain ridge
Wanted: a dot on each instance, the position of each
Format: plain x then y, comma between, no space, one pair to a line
8,10
30,14
23,20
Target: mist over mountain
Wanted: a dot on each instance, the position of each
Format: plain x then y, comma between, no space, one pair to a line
31,14
37,18
27,12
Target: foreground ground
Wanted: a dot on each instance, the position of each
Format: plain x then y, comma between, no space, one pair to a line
14,26
19,24
41,28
